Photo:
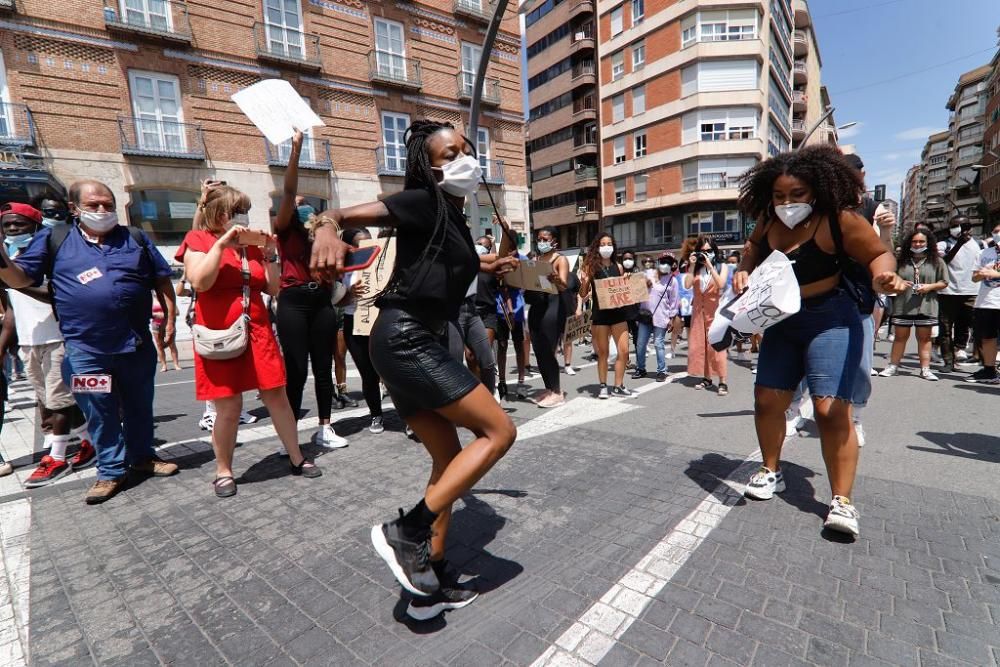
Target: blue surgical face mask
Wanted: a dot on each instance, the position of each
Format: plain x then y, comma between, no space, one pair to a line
16,243
304,212
543,247
52,222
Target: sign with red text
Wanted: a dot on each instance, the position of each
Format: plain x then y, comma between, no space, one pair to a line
90,384
621,291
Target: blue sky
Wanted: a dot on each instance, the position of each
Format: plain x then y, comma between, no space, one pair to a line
868,46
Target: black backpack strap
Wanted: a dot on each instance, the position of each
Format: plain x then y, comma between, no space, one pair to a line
57,236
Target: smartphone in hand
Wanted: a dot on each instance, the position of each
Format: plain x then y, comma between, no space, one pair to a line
252,237
359,259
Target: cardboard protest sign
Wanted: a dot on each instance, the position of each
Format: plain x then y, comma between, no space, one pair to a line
577,327
374,278
621,291
276,109
531,274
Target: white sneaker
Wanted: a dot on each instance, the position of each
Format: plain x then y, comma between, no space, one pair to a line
961,355
843,516
207,422
247,418
764,484
891,337
889,371
569,370
874,373
859,429
376,426
926,374
327,437
793,426
669,355
603,393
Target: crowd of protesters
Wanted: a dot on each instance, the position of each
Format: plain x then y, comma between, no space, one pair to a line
83,289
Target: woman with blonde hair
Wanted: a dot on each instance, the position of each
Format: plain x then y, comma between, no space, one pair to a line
229,278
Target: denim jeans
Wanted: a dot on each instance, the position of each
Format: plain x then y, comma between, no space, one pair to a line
823,342
659,335
120,422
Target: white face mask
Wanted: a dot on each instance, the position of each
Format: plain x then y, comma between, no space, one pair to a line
996,239
628,263
793,214
918,251
461,176
99,222
606,251
955,231
240,219
664,268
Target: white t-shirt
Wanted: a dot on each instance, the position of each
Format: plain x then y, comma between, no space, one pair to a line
989,290
960,269
34,320
348,280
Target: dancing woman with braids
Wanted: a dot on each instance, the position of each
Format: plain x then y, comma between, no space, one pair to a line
436,263
804,204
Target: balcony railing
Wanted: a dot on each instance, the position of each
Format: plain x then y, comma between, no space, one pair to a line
799,97
480,10
166,19
584,68
391,163
693,183
17,127
585,173
287,45
467,84
160,138
800,68
586,207
798,126
584,32
494,171
394,70
315,154
580,142
584,104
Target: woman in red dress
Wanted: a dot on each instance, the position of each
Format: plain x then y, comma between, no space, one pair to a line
213,265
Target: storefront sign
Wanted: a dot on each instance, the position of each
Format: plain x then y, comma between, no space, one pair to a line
182,210
724,237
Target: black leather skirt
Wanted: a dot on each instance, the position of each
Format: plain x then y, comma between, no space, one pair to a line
411,356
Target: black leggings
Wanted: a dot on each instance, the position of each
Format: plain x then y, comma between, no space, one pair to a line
546,323
358,347
307,329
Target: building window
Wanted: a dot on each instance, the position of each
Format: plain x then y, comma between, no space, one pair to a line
714,222
157,108
152,13
282,24
660,230
618,108
390,49
471,53
719,76
617,66
483,149
619,193
393,127
639,144
713,131
720,124
625,234
640,181
638,100
165,215
616,21
638,10
732,25
638,55
619,150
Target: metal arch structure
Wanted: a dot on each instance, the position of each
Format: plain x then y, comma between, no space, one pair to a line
477,87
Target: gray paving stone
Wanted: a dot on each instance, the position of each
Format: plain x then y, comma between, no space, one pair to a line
731,645
686,654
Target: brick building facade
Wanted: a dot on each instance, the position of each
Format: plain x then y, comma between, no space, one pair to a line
137,93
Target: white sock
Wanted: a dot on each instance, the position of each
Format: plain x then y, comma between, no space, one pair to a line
80,433
859,410
209,408
57,446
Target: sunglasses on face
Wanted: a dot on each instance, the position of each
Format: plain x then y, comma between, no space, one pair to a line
55,213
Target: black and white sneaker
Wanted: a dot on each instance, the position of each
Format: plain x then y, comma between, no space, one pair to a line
603,392
451,595
621,391
843,516
764,484
983,376
407,558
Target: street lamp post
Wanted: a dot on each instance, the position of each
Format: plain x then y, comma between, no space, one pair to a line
822,119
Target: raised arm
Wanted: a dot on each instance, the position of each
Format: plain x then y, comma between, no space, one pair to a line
202,268
286,210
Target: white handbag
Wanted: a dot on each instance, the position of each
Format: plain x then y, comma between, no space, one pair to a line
229,343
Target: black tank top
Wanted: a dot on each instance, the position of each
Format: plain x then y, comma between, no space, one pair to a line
812,264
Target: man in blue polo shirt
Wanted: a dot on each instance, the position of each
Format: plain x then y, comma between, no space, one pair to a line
102,277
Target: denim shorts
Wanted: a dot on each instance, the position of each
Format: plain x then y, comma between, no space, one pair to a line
823,343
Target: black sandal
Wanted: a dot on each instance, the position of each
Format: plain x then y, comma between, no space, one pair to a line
225,486
305,468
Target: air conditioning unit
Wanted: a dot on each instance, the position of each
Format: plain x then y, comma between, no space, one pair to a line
580,210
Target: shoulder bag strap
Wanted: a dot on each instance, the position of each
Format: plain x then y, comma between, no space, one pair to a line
245,271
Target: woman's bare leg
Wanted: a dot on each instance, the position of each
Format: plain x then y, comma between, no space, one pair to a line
621,333
769,419
599,335
276,402
227,420
839,442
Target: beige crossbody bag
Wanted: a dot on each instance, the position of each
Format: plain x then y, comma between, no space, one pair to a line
229,343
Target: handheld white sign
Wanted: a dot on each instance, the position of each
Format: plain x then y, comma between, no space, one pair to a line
276,109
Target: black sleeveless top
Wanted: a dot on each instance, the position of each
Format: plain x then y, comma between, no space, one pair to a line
811,263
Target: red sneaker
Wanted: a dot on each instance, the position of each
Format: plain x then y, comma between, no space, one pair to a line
48,471
85,456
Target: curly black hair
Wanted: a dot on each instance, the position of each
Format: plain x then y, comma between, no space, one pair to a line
905,255
836,184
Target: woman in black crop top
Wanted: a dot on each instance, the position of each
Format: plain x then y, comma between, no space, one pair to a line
436,263
801,202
